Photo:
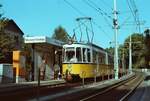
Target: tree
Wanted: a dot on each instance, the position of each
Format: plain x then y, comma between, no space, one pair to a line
61,34
138,53
110,50
147,47
138,50
6,42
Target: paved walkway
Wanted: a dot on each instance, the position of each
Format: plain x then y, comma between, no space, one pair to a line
48,82
13,86
98,85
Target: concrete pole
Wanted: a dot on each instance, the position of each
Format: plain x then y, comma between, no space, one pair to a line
130,56
115,23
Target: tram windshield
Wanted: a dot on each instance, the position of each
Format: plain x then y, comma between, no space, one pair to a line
70,55
76,54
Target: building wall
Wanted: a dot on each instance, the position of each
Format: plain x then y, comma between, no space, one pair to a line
19,66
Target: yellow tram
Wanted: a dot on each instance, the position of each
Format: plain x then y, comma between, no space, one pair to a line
85,60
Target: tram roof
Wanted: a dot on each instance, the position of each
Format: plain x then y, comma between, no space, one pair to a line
44,40
86,44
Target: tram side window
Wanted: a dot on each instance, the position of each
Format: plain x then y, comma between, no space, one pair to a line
63,55
84,54
101,58
94,56
110,60
88,55
98,57
78,54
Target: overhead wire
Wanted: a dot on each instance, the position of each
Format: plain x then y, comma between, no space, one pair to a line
125,21
101,29
106,4
132,11
136,14
99,10
102,13
77,10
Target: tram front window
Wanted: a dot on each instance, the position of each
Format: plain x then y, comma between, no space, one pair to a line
70,55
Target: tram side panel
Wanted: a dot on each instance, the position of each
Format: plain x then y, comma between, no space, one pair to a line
86,70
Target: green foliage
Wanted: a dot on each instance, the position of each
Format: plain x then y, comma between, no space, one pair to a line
147,39
147,47
3,23
110,50
138,57
138,52
7,43
121,51
137,41
61,34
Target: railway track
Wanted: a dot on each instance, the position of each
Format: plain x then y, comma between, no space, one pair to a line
113,92
118,92
25,94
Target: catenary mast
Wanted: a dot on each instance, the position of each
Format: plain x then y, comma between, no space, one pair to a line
130,55
115,23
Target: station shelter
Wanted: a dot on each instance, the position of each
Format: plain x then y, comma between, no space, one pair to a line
44,52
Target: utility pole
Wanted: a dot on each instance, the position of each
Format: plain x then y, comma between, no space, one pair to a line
115,23
130,55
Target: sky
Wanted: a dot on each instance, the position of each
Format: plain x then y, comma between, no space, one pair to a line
41,17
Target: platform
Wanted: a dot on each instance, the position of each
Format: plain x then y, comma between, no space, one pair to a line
16,86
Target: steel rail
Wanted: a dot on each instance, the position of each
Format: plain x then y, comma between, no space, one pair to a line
108,89
131,91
